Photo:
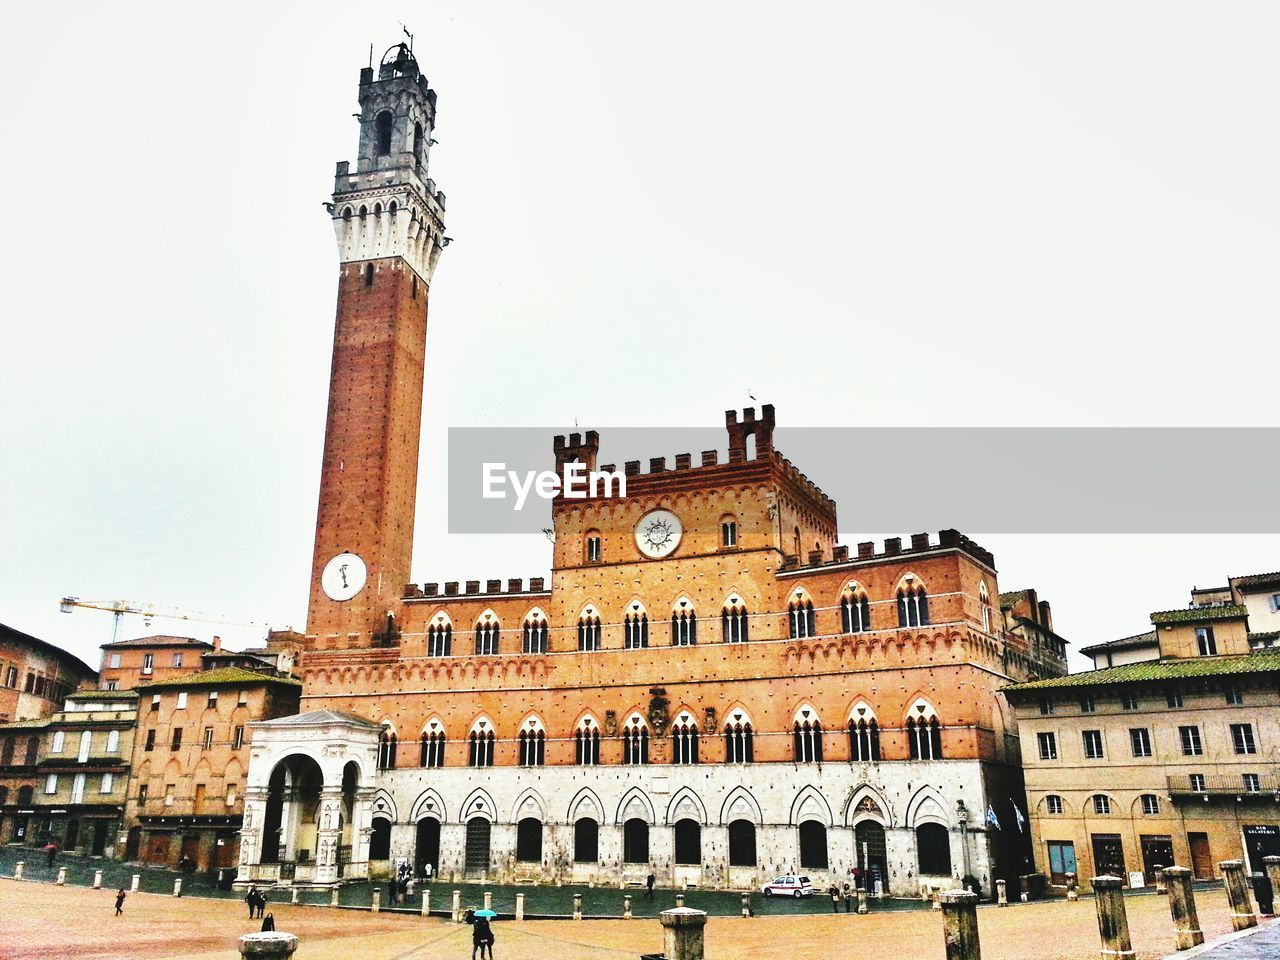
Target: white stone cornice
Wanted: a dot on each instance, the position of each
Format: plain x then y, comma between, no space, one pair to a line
384,231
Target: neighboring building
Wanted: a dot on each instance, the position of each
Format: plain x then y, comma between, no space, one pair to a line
190,754
1161,760
1260,595
709,687
65,778
35,676
128,663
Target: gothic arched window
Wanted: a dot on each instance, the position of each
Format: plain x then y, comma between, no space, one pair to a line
855,610
635,742
739,741
924,733
684,625
533,636
586,743
589,630
635,627
864,735
487,635
913,604
733,621
382,125
807,734
800,617
387,749
481,743
684,740
440,637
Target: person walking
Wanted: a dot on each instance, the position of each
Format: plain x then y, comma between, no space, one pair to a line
120,895
262,903
51,850
848,898
648,886
251,898
482,938
835,898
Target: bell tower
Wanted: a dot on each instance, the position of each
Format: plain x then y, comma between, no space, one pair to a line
388,219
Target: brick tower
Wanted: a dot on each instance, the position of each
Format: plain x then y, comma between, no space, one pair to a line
388,219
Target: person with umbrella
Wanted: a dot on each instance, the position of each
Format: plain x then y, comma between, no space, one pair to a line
482,934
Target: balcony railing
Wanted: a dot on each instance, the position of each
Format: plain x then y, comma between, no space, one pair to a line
1263,784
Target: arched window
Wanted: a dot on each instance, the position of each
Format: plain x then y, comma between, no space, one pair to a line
933,850
586,743
440,637
688,837
380,839
913,603
25,793
529,840
635,841
1101,803
636,627
635,742
589,630
684,624
4,796
433,742
855,610
487,635
6,752
346,214
533,636
417,144
382,131
593,545
924,733
813,845
684,740
864,735
532,740
739,742
586,841
800,617
387,749
984,599
728,531
742,843
368,274
481,752
807,733
733,621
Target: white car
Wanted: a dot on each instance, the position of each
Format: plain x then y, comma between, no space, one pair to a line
788,886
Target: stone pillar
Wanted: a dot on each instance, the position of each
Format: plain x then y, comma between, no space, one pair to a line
18,868
376,905
268,946
1182,907
333,897
1272,867
457,906
1158,869
293,895
177,887
1002,894
426,902
1113,922
1073,888
679,899
97,879
328,835
62,876
1238,899
519,906
255,813
577,906
133,885
488,899
960,925
746,904
626,907
862,900
935,898
682,929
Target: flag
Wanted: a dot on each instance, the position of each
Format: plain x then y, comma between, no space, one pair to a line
992,820
1022,821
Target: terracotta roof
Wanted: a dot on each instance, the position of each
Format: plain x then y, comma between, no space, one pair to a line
103,695
17,636
1124,643
221,677
159,640
1156,670
1200,614
1256,579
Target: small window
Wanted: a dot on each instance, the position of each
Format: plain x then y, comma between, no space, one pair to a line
593,549
59,742
1140,740
176,742
1087,705
114,661
1205,642
213,699
1101,803
1191,743
111,685
729,533
1129,701
1046,708
1150,805
108,783
1233,696
382,126
1242,738
1173,698
1048,743
151,740
142,793
207,742
182,700
237,739
1275,603
368,274
51,783
113,741
244,698
1251,783
1196,782
1092,744
177,659
148,662
155,701
1053,804
413,288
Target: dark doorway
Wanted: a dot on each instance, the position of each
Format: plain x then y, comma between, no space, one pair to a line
872,856
427,848
1108,855
100,828
586,841
477,858
933,850
72,836
688,843
132,842
1201,856
380,839
1157,851
813,845
635,841
1260,841
529,840
742,843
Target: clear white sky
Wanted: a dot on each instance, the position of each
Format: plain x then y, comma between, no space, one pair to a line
923,214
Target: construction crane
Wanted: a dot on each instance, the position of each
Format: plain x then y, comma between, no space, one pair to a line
148,612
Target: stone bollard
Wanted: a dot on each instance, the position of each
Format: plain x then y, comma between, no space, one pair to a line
1238,895
577,906
177,887
97,879
1113,922
746,904
1024,893
426,903
1272,866
488,899
376,904
682,929
1158,869
1002,895
333,897
293,895
1073,888
935,895
519,906
62,876
268,946
133,886
679,899
18,868
1182,907
626,907
960,925
457,906
862,900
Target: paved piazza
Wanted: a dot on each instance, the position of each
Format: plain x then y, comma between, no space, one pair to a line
45,921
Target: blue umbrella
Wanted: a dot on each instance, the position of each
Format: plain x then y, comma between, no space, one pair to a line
487,914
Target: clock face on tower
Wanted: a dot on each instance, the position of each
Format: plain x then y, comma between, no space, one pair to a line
343,577
658,533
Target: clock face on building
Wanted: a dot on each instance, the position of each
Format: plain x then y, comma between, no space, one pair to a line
343,577
658,533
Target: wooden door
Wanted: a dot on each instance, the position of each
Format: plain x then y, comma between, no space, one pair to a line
1201,859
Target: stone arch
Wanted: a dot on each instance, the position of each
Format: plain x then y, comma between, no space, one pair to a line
685,803
635,803
810,804
436,810
529,803
586,803
479,803
740,804
384,805
927,806
868,803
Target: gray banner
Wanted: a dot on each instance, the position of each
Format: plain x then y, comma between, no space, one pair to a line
1023,480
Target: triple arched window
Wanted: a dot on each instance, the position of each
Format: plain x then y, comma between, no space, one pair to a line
533,744
635,742
855,610
800,618
433,743
533,635
635,626
586,743
684,740
589,630
387,749
864,735
734,622
684,624
913,604
739,741
807,735
924,733
487,635
440,638
481,745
